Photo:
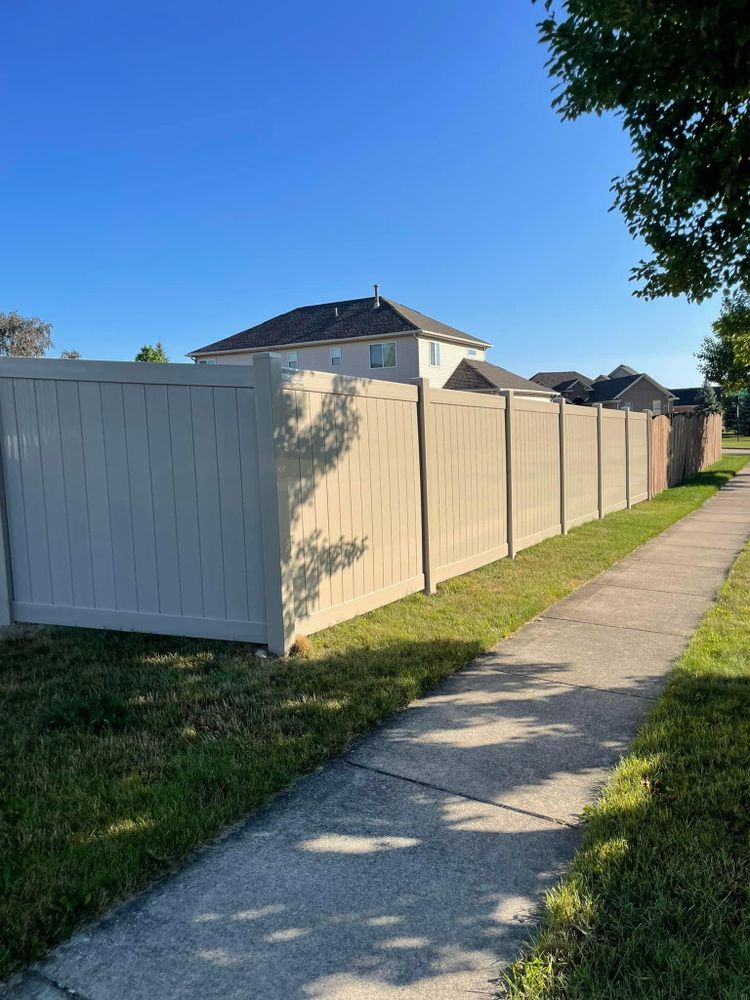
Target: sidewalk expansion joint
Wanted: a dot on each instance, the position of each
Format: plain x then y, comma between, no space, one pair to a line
651,590
581,687
625,628
461,795
64,991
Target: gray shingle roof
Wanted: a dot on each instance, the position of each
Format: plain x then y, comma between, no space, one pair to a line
553,380
610,388
345,320
481,376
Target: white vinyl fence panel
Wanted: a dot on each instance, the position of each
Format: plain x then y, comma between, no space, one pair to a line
132,497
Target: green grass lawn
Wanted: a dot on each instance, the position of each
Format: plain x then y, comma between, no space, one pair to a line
657,904
119,753
732,441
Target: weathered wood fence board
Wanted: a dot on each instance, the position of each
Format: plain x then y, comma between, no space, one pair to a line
250,503
682,445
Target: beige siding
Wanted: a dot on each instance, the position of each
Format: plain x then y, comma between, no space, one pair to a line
468,518
355,504
355,359
451,355
536,471
613,459
581,465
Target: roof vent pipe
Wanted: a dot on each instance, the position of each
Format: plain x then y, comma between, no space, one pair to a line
377,296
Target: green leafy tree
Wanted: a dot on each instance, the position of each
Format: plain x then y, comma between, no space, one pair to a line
725,356
24,336
707,400
153,352
678,76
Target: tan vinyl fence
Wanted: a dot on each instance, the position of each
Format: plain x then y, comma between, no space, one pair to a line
560,465
252,503
682,445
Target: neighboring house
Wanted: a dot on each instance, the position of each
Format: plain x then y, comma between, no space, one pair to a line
637,391
372,338
687,399
481,376
572,385
623,389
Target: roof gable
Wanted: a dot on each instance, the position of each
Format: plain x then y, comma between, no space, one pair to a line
608,389
481,376
345,320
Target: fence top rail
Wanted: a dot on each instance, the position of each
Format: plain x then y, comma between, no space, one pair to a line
609,414
348,385
454,397
638,415
535,405
137,372
587,412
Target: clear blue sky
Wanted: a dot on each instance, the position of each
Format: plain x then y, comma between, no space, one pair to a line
180,171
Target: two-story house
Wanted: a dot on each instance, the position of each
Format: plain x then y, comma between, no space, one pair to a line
372,337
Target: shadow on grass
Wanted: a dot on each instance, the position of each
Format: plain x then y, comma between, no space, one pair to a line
129,750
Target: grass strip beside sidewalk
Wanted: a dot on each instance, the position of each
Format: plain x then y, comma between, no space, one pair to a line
120,753
657,903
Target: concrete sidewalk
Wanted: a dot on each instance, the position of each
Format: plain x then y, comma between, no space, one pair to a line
412,867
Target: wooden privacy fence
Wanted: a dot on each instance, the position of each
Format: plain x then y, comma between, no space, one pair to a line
246,502
682,445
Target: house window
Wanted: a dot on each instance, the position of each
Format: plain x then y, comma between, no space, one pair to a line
383,355
291,360
656,406
434,354
335,357
206,361
472,352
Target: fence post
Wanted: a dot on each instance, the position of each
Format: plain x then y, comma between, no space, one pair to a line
424,428
563,493
270,418
599,451
6,580
628,490
511,529
649,432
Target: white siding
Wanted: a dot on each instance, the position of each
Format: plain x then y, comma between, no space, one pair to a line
451,355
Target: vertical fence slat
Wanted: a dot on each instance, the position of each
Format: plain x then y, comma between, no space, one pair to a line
509,500
272,418
426,442
6,578
563,477
600,457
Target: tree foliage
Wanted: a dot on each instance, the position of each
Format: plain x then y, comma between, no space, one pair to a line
153,352
725,356
707,400
70,355
24,336
678,75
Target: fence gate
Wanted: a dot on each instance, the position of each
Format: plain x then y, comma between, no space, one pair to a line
132,497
